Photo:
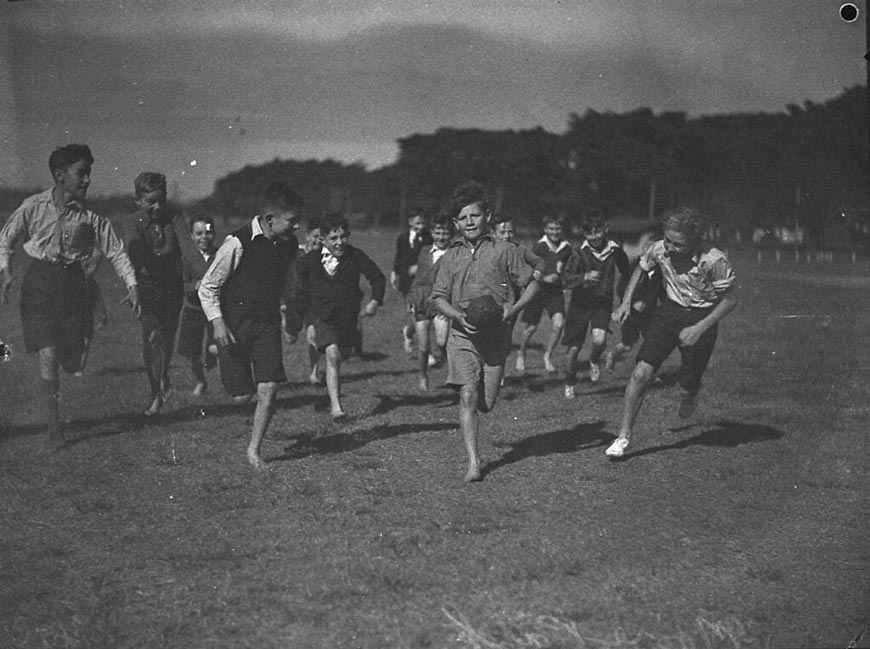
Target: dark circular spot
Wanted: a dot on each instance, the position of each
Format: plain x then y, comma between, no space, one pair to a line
849,12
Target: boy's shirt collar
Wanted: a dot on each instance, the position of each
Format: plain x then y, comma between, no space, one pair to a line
462,241
602,254
256,228
72,202
553,249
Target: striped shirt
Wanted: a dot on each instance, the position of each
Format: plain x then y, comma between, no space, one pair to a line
702,285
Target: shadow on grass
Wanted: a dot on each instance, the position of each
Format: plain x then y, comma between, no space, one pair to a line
726,433
364,376
132,422
581,436
342,443
388,403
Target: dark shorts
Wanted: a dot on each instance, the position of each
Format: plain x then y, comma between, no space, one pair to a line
160,308
421,305
553,301
668,320
581,314
194,326
256,357
636,325
344,333
55,310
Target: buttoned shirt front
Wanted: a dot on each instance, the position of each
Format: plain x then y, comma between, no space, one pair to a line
64,234
702,285
489,267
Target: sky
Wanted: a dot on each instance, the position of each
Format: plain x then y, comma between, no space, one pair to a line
198,89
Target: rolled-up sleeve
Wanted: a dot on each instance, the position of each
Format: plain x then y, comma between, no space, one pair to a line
226,260
112,247
13,229
443,286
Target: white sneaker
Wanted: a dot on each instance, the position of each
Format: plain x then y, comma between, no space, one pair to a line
617,449
569,391
548,364
594,372
521,363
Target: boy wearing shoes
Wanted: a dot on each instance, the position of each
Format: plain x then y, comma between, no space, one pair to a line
555,252
425,318
478,265
59,233
241,296
700,289
329,286
195,261
592,276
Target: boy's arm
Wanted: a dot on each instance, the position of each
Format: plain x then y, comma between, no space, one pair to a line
13,229
112,247
226,261
690,335
624,270
376,280
303,286
397,261
528,293
624,307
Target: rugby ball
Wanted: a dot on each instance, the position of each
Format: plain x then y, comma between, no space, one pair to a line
483,312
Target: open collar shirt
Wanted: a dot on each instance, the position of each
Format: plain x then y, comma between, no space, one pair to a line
64,234
490,267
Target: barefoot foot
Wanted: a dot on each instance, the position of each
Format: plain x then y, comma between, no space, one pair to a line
256,460
155,406
199,389
473,474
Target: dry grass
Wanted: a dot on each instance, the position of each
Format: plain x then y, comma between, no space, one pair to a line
745,528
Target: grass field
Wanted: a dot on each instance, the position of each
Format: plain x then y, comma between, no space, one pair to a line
746,528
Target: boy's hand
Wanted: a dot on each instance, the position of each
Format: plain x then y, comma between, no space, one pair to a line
371,308
394,280
6,280
412,270
223,337
690,335
592,277
552,278
132,300
470,329
621,313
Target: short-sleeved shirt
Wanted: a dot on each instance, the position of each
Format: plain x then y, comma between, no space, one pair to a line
702,285
492,267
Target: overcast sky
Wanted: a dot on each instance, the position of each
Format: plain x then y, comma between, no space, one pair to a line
197,89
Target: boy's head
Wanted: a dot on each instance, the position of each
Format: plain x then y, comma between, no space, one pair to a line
150,188
683,232
471,213
504,228
70,168
334,233
281,210
552,229
417,221
202,233
442,231
312,232
594,229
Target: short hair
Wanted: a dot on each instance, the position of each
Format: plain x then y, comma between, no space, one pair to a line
501,217
200,219
686,220
443,220
312,224
468,193
64,156
333,221
593,219
415,211
550,218
279,195
149,181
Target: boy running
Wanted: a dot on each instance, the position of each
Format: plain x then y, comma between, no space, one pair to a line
59,233
699,290
241,297
592,276
329,286
477,265
408,247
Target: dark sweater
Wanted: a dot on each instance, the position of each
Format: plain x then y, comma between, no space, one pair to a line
336,298
255,288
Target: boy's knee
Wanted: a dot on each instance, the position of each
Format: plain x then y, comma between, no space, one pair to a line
468,396
642,372
332,353
240,399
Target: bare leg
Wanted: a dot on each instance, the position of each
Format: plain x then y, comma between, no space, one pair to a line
262,416
152,358
333,384
634,394
198,371
313,355
469,423
558,325
49,388
421,329
525,338
599,343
